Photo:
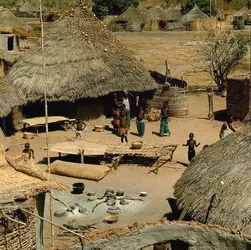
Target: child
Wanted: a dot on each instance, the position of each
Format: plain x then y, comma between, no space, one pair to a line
28,152
123,126
116,120
140,122
191,143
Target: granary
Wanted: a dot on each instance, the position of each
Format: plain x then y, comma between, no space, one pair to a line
84,63
156,19
215,188
133,19
8,100
11,29
194,18
23,189
238,98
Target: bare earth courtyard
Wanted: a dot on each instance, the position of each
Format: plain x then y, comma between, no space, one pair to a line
133,179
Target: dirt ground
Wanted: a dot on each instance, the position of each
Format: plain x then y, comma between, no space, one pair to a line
131,178
180,49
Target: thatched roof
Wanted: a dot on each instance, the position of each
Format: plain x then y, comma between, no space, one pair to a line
193,14
83,60
8,99
27,8
173,14
156,13
133,15
223,170
242,12
6,56
15,184
8,21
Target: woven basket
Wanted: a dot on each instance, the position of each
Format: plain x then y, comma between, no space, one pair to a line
99,128
137,145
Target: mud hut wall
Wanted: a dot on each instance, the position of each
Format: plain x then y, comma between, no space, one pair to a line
238,98
201,25
16,236
9,42
134,27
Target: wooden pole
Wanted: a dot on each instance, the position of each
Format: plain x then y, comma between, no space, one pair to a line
46,118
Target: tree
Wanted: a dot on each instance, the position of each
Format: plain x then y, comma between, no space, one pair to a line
221,53
204,5
112,7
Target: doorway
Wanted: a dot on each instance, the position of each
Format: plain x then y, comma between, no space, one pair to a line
10,43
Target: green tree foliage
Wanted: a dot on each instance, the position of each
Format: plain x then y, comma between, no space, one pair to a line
112,7
222,52
204,5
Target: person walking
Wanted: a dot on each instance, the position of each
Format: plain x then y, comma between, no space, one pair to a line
140,122
164,130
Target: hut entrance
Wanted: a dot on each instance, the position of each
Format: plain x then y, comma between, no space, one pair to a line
10,43
171,245
162,25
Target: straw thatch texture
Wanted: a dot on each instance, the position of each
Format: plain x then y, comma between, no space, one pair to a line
217,183
243,12
193,14
6,56
156,13
173,14
27,8
8,99
133,15
15,184
8,21
83,60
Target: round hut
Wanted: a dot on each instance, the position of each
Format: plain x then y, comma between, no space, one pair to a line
173,16
172,90
194,18
133,19
156,19
215,187
27,10
11,29
84,63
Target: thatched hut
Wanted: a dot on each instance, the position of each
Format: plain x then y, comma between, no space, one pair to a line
8,100
156,19
26,9
215,187
20,191
173,16
83,61
193,17
11,29
133,19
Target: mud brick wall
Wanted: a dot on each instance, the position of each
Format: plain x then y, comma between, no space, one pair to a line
238,98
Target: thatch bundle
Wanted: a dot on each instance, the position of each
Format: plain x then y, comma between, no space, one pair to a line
156,13
8,22
133,15
83,60
216,185
193,15
8,98
16,184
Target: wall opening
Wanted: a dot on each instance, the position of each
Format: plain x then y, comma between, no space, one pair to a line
170,245
10,43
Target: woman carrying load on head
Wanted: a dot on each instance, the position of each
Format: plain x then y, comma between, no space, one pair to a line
227,128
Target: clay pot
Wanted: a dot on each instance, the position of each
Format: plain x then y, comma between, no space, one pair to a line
113,210
78,187
120,193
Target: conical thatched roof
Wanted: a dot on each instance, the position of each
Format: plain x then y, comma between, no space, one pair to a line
220,175
156,13
8,99
8,21
243,12
193,14
27,8
83,60
173,14
133,15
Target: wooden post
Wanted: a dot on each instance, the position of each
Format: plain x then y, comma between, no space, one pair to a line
210,106
82,156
